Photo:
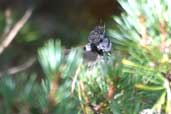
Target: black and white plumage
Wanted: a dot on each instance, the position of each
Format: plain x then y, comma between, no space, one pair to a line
96,35
98,42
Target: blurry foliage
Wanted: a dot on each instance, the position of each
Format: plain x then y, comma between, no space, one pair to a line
21,95
28,34
142,34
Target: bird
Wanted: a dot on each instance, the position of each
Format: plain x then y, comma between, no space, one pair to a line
96,35
98,41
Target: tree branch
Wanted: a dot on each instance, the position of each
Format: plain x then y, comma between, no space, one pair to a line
19,68
9,21
13,32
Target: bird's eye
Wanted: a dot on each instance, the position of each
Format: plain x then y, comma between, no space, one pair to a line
84,48
101,32
101,40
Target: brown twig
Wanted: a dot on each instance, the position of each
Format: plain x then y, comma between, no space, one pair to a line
75,79
8,19
111,91
19,68
163,34
53,89
143,31
13,32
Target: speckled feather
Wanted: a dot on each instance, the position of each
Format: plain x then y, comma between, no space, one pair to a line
98,42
